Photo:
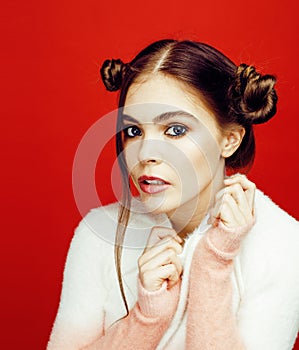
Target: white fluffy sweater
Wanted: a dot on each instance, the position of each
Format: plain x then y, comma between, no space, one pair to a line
265,279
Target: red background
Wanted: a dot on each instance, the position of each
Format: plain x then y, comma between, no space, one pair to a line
51,94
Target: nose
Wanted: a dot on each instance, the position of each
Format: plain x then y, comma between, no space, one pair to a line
149,152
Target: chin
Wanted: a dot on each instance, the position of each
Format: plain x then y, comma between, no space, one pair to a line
158,204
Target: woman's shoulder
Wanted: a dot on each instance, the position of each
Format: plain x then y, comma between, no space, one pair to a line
272,246
93,231
273,224
270,213
268,278
99,225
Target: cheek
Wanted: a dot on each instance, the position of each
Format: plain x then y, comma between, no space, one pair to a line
206,162
205,152
194,172
197,165
130,156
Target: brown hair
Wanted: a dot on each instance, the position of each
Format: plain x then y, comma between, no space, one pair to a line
236,94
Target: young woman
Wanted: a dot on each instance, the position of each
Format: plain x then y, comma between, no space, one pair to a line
200,260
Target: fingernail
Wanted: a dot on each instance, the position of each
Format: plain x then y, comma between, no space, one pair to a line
179,239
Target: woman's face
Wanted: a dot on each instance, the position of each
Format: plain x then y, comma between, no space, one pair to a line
171,145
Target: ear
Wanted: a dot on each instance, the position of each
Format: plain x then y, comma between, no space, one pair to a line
232,139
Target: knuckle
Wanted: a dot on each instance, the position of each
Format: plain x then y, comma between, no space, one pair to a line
219,193
170,256
240,175
176,246
172,268
163,231
224,206
237,187
156,230
225,198
167,239
172,250
175,275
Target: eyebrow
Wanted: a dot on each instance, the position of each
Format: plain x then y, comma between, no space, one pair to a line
163,117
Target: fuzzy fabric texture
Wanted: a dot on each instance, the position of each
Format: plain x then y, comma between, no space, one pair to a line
146,323
256,306
211,324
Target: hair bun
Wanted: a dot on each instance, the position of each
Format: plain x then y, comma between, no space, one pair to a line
112,72
253,96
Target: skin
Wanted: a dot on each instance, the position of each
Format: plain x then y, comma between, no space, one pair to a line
187,150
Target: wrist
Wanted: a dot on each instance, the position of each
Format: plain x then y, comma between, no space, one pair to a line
160,303
224,241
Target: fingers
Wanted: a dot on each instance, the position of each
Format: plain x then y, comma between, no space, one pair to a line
234,204
171,273
166,257
164,244
165,266
228,212
160,260
153,279
247,186
158,234
236,191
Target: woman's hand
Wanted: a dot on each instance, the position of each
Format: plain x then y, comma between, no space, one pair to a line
234,205
159,261
210,299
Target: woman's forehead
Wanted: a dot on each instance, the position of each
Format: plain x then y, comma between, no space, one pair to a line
154,112
158,89
161,94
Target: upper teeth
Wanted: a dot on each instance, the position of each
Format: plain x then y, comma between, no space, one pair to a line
154,182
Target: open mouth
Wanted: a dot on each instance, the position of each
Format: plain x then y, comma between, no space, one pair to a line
153,182
152,185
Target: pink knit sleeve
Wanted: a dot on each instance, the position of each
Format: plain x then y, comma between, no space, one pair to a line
146,323
211,323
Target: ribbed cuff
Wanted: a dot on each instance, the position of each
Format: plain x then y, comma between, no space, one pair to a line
225,242
160,303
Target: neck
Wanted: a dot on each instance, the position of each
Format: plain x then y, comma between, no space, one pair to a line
188,217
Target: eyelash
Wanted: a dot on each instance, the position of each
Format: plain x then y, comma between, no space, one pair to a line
131,127
135,129
181,127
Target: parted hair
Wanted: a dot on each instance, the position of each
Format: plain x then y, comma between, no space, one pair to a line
235,93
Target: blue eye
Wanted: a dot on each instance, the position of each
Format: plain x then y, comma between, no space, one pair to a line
176,130
132,131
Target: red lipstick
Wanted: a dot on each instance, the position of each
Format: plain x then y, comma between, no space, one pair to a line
152,184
